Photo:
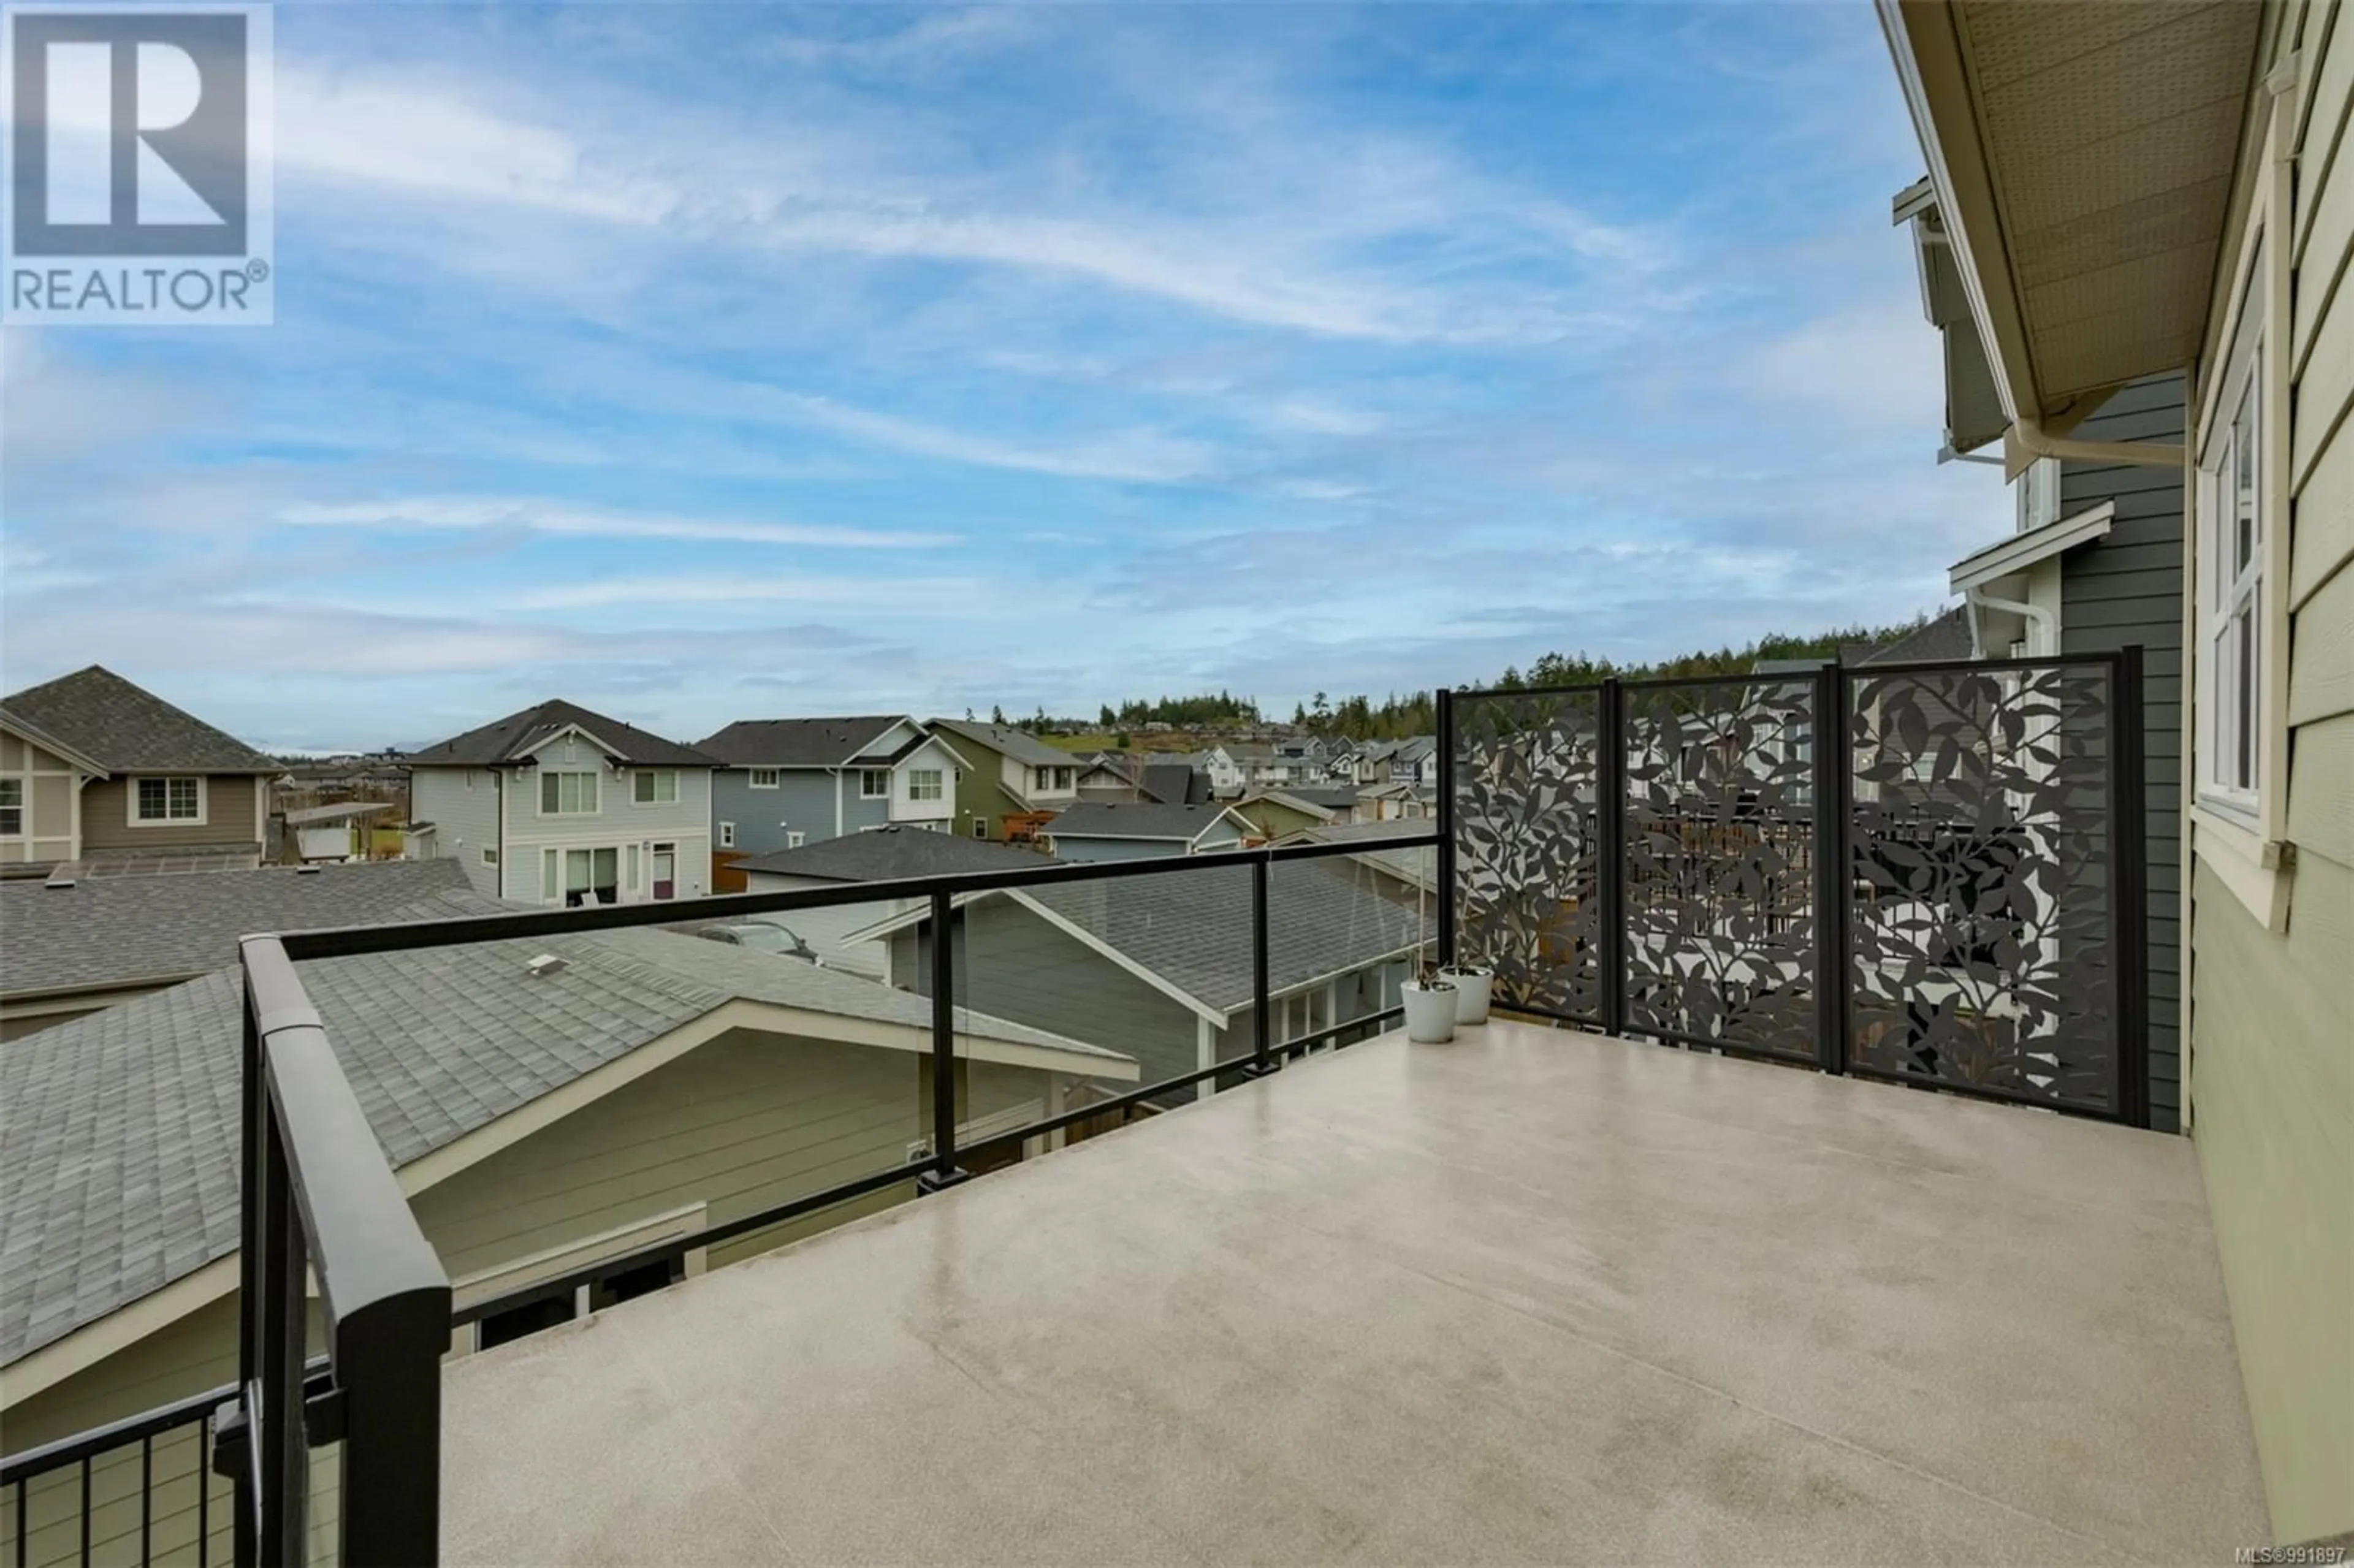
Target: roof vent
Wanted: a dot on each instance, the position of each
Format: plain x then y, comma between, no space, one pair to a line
59,882
309,869
546,964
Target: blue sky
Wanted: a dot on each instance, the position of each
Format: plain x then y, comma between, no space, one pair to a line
697,363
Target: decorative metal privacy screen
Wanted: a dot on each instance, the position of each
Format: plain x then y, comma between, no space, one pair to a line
1950,896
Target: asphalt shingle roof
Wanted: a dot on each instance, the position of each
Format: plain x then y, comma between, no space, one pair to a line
118,1132
1946,638
1175,784
1019,745
128,728
120,930
797,743
509,739
888,852
1192,928
1134,820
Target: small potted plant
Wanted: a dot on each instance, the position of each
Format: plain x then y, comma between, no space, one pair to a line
1473,985
1429,1008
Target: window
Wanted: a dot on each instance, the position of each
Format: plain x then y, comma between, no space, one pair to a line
874,783
656,788
2038,490
924,784
490,857
11,808
795,839
980,827
168,801
566,794
726,835
1059,778
764,779
2231,574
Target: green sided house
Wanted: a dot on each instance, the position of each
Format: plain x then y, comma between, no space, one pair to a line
547,1103
2132,198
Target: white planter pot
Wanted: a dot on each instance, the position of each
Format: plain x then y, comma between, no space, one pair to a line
1472,986
1429,1012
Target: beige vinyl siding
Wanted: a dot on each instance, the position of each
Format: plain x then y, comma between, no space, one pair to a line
746,1122
50,783
2272,1072
229,814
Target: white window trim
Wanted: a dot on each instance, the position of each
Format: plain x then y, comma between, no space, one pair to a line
24,783
204,801
490,855
655,774
539,790
939,781
794,839
775,778
2244,844
524,1272
867,773
726,835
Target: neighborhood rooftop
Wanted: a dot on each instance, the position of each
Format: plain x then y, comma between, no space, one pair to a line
1136,820
803,742
1019,745
514,737
882,854
118,1132
126,729
131,930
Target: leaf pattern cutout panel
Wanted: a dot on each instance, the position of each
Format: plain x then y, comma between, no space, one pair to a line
1526,839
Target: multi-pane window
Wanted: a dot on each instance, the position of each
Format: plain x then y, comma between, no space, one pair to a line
11,808
764,779
656,786
171,799
874,783
726,835
566,793
924,784
2232,577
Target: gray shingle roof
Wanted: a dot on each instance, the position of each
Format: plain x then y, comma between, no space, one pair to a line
1944,639
797,743
118,1132
1175,784
1192,928
120,930
1019,745
128,728
1135,820
507,739
892,852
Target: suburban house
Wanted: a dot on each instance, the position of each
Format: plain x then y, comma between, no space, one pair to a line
1159,967
555,804
1415,762
74,945
880,854
2146,211
1277,813
782,783
547,1103
1369,762
96,770
1139,829
1016,782
1409,874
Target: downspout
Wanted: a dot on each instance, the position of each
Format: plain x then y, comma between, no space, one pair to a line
2037,616
499,778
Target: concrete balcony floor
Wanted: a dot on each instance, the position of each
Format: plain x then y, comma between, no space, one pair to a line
1535,1296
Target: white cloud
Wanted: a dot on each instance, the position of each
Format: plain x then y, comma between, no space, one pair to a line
464,513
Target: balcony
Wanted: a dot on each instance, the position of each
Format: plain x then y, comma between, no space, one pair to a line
1606,1279
1532,1296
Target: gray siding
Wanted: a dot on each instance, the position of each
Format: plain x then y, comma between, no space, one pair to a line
802,802
1015,966
229,814
1086,849
2125,588
465,821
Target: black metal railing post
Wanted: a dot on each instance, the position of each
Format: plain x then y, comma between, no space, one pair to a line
2129,856
1446,868
1262,1060
943,1171
1610,851
1831,890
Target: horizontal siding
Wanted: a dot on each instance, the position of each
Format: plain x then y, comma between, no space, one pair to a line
228,816
465,819
2276,1087
2325,224
2322,538
2321,792
2126,589
2321,654
741,1123
2323,393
